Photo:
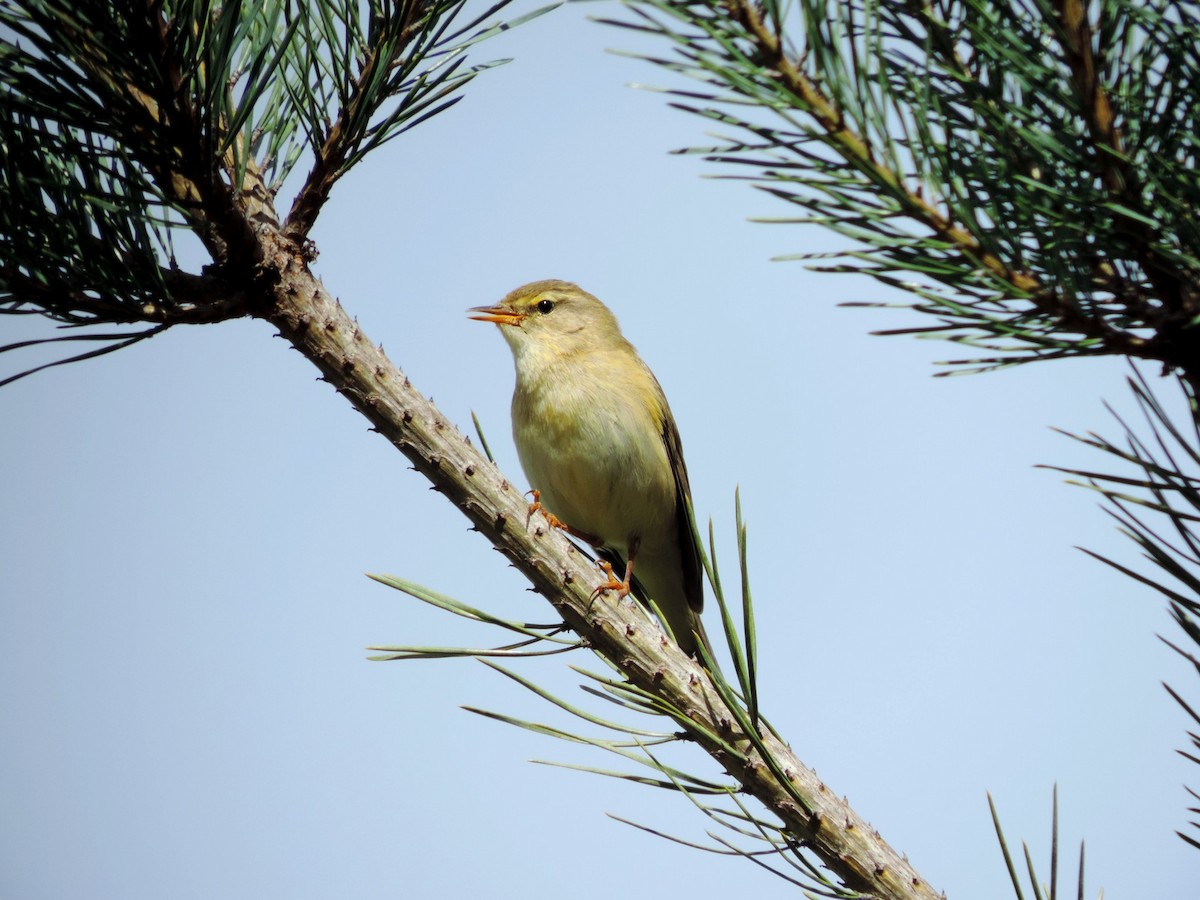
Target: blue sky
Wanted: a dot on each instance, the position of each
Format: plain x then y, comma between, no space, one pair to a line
186,703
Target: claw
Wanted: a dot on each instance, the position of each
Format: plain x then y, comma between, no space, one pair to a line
612,583
536,506
555,522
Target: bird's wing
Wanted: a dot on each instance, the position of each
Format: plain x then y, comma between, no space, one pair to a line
685,523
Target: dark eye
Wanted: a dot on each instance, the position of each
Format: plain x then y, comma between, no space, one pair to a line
544,306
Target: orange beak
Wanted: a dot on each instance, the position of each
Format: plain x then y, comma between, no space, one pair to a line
501,315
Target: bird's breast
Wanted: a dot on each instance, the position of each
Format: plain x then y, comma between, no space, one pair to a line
592,445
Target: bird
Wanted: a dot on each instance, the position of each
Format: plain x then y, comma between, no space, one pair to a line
600,447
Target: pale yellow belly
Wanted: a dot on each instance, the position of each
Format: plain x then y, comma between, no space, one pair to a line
603,471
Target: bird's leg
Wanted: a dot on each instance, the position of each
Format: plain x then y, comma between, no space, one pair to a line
536,506
612,584
555,522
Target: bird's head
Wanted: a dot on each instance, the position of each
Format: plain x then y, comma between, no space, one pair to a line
551,318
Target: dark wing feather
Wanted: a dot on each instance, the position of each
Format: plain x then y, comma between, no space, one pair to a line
685,526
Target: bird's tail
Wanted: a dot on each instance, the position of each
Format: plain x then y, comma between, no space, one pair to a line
687,628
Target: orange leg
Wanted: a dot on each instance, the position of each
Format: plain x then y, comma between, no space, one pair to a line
555,522
612,584
536,506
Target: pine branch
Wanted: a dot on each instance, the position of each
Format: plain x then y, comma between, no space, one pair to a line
161,130
623,633
1167,487
390,37
413,54
1028,174
973,173
120,126
860,154
1111,160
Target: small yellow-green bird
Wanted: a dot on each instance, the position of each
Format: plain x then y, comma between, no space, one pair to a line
599,444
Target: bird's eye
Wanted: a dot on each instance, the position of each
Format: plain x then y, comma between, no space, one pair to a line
544,306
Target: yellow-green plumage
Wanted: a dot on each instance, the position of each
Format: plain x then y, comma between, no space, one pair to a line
596,438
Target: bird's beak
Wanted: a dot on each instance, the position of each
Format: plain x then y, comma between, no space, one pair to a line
501,315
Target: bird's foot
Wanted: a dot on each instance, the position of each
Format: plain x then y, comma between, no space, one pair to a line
536,506
612,583
555,522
